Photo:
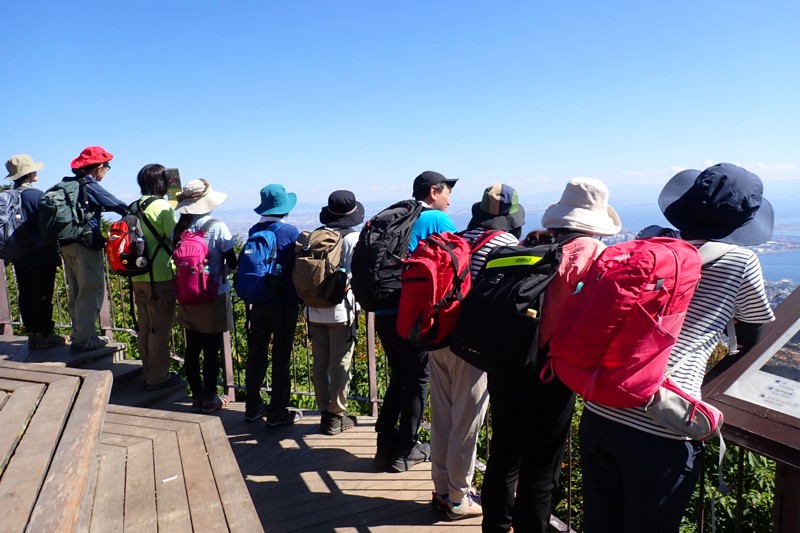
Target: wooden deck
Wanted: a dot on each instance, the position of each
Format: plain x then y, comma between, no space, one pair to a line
300,480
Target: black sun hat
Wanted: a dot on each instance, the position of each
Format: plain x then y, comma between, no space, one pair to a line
723,203
342,211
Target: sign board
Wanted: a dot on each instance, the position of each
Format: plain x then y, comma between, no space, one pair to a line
760,394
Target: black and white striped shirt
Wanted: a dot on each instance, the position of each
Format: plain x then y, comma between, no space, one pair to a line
479,256
730,287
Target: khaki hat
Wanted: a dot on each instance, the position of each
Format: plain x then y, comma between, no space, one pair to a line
198,198
21,165
583,207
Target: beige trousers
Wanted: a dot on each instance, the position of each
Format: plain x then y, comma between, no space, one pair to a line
86,283
459,400
333,354
155,313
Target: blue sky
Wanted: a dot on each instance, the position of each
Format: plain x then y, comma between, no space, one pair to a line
322,95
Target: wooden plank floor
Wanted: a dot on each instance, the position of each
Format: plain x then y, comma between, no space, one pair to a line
300,480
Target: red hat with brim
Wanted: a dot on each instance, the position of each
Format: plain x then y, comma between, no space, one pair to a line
91,155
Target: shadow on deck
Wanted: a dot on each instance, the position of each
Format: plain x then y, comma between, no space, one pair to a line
300,480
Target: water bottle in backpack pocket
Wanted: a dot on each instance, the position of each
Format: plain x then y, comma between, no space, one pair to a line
194,283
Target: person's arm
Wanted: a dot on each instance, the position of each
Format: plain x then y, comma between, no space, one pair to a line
230,259
747,336
100,197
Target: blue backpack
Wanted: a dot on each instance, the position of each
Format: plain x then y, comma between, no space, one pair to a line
259,273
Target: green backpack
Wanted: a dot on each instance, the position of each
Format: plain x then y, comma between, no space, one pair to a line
61,217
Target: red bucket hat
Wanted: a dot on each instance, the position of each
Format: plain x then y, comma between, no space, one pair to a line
91,155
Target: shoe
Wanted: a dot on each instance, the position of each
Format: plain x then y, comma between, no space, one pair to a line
282,418
440,503
95,342
214,404
338,423
385,445
197,405
420,453
470,506
38,340
254,414
172,381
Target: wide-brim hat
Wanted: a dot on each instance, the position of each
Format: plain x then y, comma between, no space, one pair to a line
91,155
583,207
723,203
498,209
342,211
198,198
275,200
21,165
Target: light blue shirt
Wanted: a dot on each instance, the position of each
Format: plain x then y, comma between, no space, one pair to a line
430,221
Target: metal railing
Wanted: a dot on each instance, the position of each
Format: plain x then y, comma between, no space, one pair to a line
369,364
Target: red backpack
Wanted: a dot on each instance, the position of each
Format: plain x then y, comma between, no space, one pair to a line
193,282
435,279
616,332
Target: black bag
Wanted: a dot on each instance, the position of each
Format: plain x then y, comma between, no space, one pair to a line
379,256
497,329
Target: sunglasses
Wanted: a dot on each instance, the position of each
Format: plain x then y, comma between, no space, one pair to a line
106,166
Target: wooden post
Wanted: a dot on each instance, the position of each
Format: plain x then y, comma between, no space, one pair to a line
372,366
230,386
787,487
5,307
105,309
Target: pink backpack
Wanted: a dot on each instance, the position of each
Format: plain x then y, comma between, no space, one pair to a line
193,283
616,332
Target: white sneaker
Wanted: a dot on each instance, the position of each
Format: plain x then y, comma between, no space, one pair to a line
470,506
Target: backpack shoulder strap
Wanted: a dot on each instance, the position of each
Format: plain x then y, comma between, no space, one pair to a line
138,207
207,226
711,251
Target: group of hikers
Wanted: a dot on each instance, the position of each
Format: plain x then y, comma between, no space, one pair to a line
638,475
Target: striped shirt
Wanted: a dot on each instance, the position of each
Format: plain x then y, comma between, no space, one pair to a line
731,287
478,258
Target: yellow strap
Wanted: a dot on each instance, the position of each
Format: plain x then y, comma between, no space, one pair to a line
525,260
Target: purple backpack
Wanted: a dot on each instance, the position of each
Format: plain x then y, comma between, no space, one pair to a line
193,282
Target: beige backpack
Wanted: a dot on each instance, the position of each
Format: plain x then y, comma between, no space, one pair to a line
318,275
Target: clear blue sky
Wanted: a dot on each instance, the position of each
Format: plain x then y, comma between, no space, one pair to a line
321,95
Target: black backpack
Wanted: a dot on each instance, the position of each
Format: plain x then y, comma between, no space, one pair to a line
379,256
497,329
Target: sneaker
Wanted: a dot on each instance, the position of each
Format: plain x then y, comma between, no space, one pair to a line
420,453
38,341
440,503
197,405
470,506
215,403
95,342
282,418
172,381
254,414
338,423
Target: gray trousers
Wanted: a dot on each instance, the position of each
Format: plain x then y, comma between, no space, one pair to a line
86,283
333,353
459,400
155,313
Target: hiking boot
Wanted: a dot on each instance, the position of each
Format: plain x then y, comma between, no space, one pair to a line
284,417
252,415
172,381
470,506
338,423
420,453
439,503
95,342
38,340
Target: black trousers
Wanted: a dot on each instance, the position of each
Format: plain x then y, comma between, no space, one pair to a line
407,392
276,323
530,423
634,481
36,284
210,345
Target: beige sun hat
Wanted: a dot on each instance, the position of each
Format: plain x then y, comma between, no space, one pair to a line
21,165
198,198
583,207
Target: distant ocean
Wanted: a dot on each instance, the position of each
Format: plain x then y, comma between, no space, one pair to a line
776,266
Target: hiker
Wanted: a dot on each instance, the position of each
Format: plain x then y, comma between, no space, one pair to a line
459,396
83,257
204,322
153,292
638,475
398,446
333,329
35,268
531,419
275,321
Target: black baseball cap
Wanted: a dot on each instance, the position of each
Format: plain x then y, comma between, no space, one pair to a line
426,180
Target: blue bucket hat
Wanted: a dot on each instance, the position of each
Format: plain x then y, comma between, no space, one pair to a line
275,200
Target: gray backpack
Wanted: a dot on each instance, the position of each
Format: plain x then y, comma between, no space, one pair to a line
61,217
12,245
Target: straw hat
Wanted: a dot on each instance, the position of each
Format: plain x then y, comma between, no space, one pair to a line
198,198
